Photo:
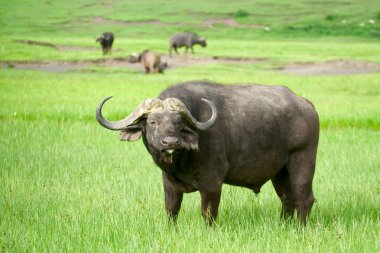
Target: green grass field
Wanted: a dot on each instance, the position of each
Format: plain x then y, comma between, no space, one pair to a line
69,185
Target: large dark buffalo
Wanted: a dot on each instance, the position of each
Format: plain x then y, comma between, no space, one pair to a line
187,40
106,40
243,135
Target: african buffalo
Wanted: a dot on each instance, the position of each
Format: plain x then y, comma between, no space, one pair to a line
150,60
243,135
106,40
186,39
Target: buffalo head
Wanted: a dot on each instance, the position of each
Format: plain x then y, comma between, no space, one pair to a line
167,126
135,57
202,42
101,38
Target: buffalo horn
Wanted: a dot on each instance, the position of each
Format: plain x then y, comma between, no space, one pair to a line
155,104
145,108
199,125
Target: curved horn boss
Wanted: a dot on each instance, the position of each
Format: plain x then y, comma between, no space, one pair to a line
143,109
155,104
175,104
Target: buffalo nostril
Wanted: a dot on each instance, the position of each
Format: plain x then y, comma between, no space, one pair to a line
170,141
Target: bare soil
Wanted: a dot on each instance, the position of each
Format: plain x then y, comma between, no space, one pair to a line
210,23
176,61
57,47
231,22
101,20
49,66
183,60
332,67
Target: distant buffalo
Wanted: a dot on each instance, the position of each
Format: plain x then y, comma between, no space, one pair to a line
106,40
187,40
150,60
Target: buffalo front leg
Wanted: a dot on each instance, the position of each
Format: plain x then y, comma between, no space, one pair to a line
173,200
209,205
170,50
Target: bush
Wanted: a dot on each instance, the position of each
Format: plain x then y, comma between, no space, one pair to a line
241,14
331,17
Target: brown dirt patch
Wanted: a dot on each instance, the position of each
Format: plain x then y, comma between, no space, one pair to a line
176,61
57,47
332,67
210,23
48,66
37,43
184,60
230,22
68,66
103,21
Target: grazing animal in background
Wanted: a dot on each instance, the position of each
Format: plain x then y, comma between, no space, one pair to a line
106,40
242,135
187,40
150,60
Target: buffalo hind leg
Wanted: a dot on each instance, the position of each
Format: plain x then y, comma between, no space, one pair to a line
301,167
210,205
281,183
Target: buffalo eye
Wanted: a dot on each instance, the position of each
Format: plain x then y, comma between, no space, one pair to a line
152,122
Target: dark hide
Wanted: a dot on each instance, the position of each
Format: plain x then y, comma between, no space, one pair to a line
106,41
187,40
261,133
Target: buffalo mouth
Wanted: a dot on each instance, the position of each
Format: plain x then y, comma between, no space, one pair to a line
169,151
167,154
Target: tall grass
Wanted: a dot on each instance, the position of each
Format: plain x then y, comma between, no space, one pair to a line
74,187
70,185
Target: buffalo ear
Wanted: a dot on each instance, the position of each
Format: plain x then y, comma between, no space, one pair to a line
190,139
130,134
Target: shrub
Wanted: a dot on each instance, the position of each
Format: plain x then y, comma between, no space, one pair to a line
331,17
241,14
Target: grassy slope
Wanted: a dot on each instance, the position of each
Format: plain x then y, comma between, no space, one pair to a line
77,17
69,185
77,23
